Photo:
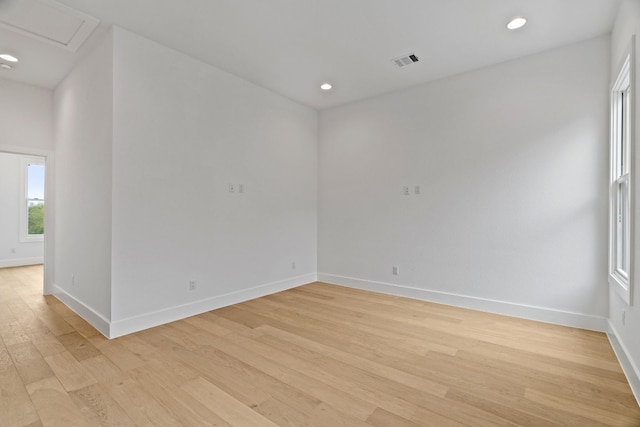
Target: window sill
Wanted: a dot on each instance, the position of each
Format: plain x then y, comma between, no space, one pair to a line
622,288
31,239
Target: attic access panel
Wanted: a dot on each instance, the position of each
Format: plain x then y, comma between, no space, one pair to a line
47,21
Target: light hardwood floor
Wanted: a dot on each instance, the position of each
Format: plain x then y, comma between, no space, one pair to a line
319,355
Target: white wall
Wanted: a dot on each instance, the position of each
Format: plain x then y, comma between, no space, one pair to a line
83,128
628,334
14,252
147,142
26,116
511,164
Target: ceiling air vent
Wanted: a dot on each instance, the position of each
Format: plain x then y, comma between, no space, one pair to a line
403,61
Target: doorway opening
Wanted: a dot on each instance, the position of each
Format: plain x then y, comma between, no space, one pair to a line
23,200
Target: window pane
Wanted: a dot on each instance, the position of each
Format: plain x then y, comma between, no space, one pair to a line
35,182
36,217
621,144
35,199
621,153
622,228
624,132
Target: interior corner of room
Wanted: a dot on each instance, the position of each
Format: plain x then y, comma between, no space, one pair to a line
175,187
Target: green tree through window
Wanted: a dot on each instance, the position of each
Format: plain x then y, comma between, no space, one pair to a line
36,218
35,199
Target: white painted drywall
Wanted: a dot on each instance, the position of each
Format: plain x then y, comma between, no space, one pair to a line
627,24
26,116
511,162
13,252
184,131
83,128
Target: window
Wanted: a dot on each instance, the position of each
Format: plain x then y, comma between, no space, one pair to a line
620,194
32,203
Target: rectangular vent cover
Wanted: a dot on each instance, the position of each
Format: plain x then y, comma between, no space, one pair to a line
403,61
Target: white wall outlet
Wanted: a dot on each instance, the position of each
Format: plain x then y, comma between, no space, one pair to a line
192,285
232,188
395,270
405,190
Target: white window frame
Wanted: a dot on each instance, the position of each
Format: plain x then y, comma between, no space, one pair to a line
621,183
25,237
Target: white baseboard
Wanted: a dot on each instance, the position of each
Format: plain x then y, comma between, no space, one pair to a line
630,369
87,313
20,262
149,320
576,320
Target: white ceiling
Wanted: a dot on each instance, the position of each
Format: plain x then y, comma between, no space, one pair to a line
292,46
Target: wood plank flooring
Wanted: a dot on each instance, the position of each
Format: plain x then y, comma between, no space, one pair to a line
319,355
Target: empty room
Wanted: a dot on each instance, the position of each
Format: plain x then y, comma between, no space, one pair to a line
319,213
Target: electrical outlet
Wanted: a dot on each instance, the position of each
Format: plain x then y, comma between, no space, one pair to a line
405,190
232,188
396,270
192,285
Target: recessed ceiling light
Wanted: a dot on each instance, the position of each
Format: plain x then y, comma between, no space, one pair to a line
516,23
5,66
325,86
8,57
